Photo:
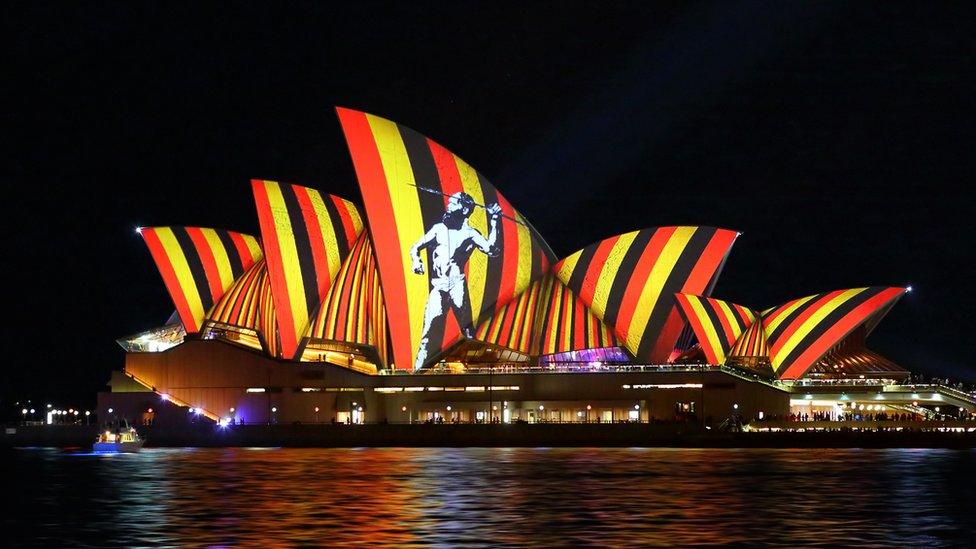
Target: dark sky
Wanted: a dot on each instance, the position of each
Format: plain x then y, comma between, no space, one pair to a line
838,137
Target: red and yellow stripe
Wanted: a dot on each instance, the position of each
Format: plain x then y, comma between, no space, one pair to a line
198,265
239,304
717,324
752,343
627,281
354,312
567,324
306,235
406,179
514,325
801,331
248,304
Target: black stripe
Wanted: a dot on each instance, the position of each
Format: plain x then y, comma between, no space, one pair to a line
755,342
826,323
552,308
575,343
537,319
776,333
521,304
737,346
236,261
676,280
303,247
425,175
516,331
361,294
248,297
624,274
349,292
431,212
552,313
578,275
713,317
536,270
758,342
493,276
565,319
225,304
740,317
196,266
736,322
342,244
572,320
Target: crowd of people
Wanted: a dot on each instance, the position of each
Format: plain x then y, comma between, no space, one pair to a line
851,415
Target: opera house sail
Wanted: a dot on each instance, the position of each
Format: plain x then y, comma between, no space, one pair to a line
432,294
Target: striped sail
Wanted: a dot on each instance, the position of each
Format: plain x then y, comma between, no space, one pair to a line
353,311
306,237
801,331
629,282
424,204
567,324
752,343
514,325
248,304
717,324
198,265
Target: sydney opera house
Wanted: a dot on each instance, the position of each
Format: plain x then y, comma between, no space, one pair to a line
436,300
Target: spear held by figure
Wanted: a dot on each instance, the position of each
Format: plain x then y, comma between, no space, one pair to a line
475,204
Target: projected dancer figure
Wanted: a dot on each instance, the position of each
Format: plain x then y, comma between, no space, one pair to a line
452,241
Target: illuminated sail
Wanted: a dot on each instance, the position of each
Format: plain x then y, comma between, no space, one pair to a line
629,281
306,237
354,311
801,331
198,265
444,264
717,324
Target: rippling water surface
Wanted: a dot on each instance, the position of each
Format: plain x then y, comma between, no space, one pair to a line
494,497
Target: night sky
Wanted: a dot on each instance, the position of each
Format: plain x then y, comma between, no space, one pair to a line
838,138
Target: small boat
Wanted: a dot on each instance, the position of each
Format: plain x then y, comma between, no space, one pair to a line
124,439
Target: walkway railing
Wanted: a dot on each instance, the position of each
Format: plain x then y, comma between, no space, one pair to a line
931,388
888,385
573,367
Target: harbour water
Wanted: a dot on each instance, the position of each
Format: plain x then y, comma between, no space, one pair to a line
495,497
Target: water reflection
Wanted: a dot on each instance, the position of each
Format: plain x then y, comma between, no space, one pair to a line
481,496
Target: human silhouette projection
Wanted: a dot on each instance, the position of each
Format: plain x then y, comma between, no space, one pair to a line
451,242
